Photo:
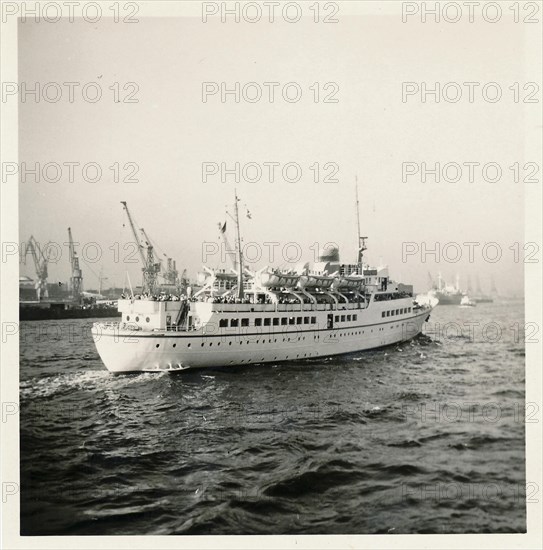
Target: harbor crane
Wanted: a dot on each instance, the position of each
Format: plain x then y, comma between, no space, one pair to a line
101,279
40,264
76,278
171,276
151,266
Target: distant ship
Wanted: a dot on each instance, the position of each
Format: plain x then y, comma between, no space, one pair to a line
448,295
481,298
51,309
271,315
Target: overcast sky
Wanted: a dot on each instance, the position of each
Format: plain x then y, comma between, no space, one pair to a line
369,132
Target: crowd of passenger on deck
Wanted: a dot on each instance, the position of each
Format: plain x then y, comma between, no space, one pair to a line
162,297
283,297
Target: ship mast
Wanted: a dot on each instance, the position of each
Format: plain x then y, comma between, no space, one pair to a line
478,285
361,240
493,289
229,250
357,210
238,244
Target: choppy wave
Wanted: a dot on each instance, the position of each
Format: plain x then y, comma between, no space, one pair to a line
422,437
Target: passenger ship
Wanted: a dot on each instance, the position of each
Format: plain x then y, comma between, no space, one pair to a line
246,318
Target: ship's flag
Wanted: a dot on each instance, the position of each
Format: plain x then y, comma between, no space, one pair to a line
222,227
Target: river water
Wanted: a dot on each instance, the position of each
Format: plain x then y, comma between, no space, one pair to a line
423,437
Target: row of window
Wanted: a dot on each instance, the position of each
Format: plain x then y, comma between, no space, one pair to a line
343,318
269,321
392,312
276,321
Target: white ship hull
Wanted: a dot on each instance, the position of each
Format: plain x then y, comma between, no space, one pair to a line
126,350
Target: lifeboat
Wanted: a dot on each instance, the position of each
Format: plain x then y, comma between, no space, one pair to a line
312,280
282,279
352,282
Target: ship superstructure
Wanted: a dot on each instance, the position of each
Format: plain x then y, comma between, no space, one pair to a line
242,317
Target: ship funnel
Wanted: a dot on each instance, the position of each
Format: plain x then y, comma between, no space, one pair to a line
329,254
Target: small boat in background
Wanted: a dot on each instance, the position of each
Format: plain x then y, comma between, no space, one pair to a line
467,302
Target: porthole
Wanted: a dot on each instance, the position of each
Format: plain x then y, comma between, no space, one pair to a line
128,317
174,345
157,345
147,319
137,318
202,344
189,345
229,343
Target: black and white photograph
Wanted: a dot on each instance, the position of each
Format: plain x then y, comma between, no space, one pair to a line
271,274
